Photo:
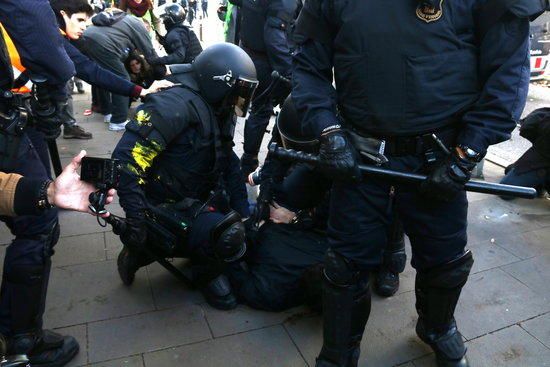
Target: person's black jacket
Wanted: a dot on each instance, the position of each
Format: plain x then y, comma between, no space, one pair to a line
168,153
181,45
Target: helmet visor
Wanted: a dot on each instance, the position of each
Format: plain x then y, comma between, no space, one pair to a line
242,94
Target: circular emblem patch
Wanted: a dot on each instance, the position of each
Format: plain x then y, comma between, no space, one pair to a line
429,13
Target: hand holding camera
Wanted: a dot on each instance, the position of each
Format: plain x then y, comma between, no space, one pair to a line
68,191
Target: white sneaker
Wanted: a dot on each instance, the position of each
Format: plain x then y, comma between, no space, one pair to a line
107,118
117,127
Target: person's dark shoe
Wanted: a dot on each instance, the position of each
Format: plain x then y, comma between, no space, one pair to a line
448,345
218,293
386,283
80,88
45,348
128,264
76,132
249,163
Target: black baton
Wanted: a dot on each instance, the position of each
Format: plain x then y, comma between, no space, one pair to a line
374,171
54,156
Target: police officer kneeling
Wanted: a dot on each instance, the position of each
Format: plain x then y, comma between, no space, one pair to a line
178,149
431,84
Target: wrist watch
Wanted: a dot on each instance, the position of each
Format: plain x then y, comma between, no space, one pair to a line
43,202
469,154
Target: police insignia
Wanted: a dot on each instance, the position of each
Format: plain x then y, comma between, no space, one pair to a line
428,11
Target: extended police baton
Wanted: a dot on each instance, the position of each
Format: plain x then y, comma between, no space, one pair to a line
54,156
374,171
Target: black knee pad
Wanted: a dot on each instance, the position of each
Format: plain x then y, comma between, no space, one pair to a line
228,238
395,261
451,274
339,270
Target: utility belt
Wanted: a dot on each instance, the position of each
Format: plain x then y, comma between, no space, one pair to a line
376,148
12,127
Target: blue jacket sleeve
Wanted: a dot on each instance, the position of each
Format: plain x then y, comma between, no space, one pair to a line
504,75
92,73
235,187
312,91
32,26
279,17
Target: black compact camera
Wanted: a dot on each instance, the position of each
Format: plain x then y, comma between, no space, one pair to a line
104,173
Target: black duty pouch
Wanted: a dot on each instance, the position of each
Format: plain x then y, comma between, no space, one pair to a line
12,127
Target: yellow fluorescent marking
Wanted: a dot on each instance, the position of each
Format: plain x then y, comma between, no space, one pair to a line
144,155
142,117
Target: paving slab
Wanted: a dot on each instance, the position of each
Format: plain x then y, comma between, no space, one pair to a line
539,327
113,245
488,255
389,338
146,332
534,273
492,216
79,332
168,291
492,300
527,244
79,250
510,347
244,318
5,235
73,224
135,361
260,348
92,292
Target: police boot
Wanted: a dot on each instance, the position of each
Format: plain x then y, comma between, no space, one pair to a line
249,163
27,285
129,262
437,292
346,309
219,294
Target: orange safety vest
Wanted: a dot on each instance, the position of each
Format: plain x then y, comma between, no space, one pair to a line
15,59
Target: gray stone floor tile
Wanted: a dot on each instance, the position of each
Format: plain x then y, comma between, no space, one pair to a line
492,300
510,347
146,332
534,273
80,334
5,235
79,250
494,216
244,318
135,361
92,292
113,245
539,327
526,245
168,291
389,338
260,348
73,224
487,255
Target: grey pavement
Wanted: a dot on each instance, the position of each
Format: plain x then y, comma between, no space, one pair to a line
504,314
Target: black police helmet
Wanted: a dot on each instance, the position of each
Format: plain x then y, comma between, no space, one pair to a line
290,129
174,14
226,76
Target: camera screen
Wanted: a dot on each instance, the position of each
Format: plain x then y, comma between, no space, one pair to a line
93,169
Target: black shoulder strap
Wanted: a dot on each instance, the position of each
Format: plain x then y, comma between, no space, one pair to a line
490,14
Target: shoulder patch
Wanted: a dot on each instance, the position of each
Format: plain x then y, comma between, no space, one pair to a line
428,12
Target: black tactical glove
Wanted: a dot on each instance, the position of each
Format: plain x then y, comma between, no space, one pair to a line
337,155
47,112
448,178
135,234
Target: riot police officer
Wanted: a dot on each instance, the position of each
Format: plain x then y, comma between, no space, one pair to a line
264,34
27,262
181,43
428,86
178,149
